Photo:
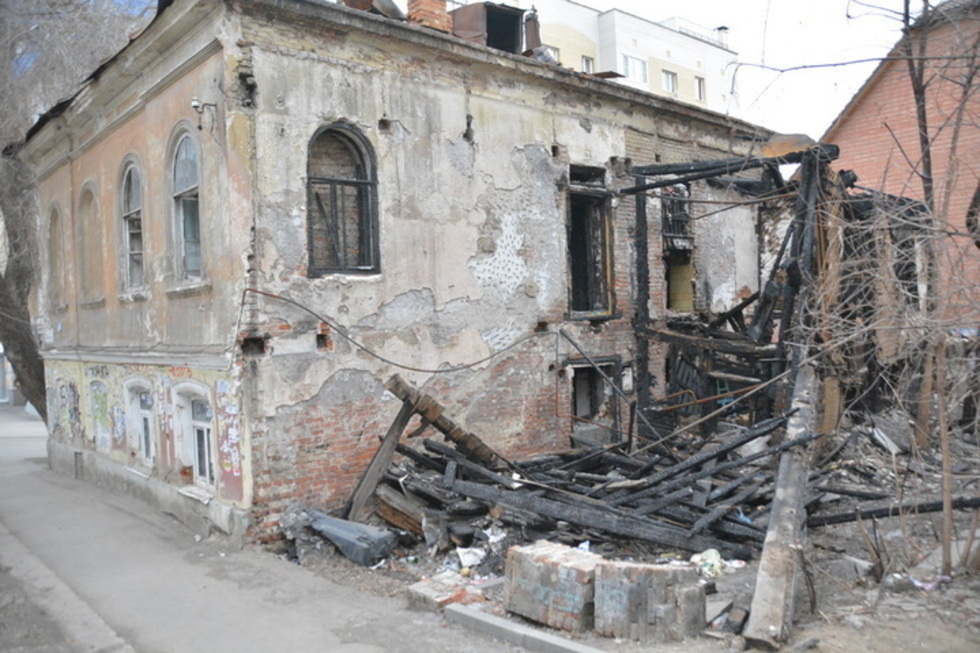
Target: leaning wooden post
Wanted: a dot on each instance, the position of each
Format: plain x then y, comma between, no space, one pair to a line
771,617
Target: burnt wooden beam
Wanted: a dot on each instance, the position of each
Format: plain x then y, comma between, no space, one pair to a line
726,346
761,429
721,318
960,503
774,601
779,448
718,512
356,509
586,516
405,512
736,164
430,409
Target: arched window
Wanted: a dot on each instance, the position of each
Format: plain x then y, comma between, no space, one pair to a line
90,246
341,203
132,218
56,257
187,219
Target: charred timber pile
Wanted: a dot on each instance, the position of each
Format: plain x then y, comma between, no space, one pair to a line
673,501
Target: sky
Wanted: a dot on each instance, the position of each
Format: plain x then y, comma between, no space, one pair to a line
788,33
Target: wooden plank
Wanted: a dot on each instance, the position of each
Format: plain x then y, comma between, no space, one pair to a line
960,503
399,510
746,348
467,443
356,509
771,616
588,516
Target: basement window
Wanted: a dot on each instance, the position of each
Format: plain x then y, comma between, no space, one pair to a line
593,403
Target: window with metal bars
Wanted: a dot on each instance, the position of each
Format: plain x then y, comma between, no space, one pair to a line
342,203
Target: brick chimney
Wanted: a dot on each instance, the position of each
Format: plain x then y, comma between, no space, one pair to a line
430,13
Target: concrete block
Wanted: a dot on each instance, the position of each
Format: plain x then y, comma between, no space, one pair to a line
552,584
433,594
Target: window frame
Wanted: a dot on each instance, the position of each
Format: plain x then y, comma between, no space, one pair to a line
140,420
669,81
638,63
366,185
588,64
593,278
190,430
180,199
130,214
700,88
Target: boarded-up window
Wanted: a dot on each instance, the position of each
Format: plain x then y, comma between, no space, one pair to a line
90,247
680,280
56,257
341,189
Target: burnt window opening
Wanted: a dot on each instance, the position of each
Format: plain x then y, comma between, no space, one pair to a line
675,211
594,407
679,271
588,254
342,203
587,176
493,25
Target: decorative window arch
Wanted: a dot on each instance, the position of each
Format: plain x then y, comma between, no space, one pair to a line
195,424
140,422
185,194
131,210
90,245
342,223
56,259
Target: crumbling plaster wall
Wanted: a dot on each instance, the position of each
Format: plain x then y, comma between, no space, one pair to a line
472,158
727,247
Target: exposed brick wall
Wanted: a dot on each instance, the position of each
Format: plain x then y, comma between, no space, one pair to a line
878,138
430,13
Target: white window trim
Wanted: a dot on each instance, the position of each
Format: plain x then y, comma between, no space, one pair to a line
668,81
633,65
141,428
188,432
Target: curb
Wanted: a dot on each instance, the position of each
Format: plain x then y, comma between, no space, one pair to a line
49,592
508,631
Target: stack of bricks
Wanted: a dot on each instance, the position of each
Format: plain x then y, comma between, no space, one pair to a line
575,590
552,584
430,13
648,603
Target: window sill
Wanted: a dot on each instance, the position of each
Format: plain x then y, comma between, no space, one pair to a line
134,296
190,289
93,303
588,316
197,492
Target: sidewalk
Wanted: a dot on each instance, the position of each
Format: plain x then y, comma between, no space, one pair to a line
117,576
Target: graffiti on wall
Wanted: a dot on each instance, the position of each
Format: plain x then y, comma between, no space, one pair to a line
229,441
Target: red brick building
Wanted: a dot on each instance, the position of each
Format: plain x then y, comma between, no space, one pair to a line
878,137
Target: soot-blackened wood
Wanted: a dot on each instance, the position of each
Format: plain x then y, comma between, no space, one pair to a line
960,503
761,429
467,443
465,464
678,482
596,518
718,512
357,507
421,459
